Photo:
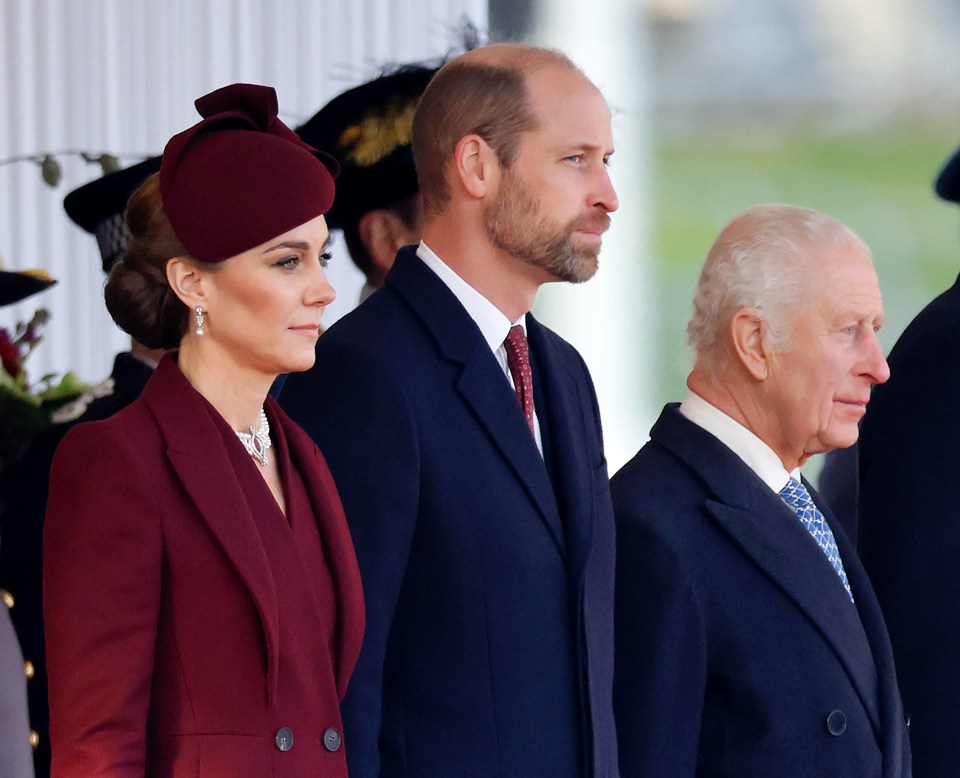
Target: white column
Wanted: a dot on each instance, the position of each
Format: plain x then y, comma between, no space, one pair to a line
611,319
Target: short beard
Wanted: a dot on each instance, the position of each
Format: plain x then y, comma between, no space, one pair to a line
513,224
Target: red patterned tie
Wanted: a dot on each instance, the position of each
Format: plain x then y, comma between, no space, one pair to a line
518,360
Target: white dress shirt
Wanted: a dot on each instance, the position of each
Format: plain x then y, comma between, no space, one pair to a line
493,325
756,454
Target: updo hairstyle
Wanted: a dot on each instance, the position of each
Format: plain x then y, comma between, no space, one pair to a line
137,293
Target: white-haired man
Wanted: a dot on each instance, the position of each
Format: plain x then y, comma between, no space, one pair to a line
749,641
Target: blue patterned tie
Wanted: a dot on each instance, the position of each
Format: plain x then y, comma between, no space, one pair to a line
795,495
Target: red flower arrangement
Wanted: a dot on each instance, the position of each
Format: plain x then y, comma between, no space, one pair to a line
9,354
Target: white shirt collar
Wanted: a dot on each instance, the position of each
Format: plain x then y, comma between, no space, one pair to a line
366,290
491,321
756,454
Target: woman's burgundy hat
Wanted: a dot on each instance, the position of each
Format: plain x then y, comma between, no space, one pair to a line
240,176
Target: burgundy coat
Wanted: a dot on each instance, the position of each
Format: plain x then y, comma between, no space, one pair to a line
162,614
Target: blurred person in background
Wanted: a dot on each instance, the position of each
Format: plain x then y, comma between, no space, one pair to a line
202,601
909,532
368,129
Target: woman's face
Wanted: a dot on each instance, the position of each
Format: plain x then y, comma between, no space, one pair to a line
263,307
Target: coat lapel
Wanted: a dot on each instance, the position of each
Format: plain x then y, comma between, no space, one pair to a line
481,382
335,538
565,412
489,397
766,530
196,452
785,551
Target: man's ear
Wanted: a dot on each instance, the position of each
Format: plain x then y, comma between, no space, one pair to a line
383,234
476,166
187,281
749,342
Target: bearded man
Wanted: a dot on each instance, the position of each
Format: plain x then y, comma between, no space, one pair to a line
465,441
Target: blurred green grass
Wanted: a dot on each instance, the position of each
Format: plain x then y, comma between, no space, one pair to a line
876,178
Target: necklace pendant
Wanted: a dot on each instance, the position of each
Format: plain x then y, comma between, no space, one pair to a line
258,449
257,440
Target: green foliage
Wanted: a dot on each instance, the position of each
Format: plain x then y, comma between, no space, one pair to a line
27,408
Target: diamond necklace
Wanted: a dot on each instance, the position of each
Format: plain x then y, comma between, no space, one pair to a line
257,440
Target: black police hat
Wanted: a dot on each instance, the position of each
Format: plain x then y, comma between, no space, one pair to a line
368,129
98,207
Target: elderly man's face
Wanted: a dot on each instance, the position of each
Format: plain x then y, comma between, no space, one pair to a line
819,387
